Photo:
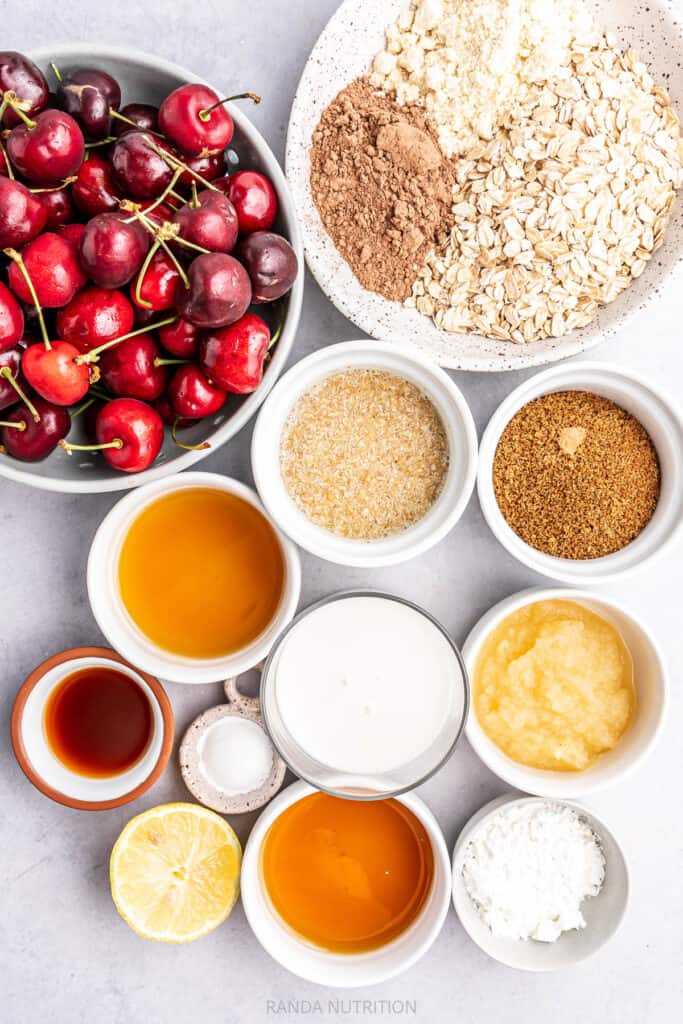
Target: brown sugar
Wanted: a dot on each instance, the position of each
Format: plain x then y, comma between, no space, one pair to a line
576,476
382,187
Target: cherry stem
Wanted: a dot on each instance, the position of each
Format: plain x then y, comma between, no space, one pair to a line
21,425
157,232
204,115
204,446
93,355
102,142
71,448
175,163
18,259
55,71
127,204
10,169
153,249
194,202
170,362
176,195
126,120
82,407
55,188
9,376
10,99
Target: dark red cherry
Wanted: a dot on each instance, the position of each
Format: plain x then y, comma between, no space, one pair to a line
11,319
95,316
112,250
95,189
130,369
134,429
52,264
210,222
139,169
165,409
232,358
10,359
54,373
219,291
143,116
254,199
180,339
21,76
159,286
210,166
192,396
50,151
72,233
271,264
159,214
31,441
22,215
59,206
186,118
89,95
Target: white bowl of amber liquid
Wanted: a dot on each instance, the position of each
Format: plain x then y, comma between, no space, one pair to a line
626,720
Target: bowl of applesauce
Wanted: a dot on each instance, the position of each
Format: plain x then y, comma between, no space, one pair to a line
569,691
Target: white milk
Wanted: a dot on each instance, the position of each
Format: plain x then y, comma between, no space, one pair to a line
366,684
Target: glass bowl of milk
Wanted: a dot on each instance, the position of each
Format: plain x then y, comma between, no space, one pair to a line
365,695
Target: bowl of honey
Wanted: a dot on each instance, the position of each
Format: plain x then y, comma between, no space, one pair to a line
189,578
343,892
90,731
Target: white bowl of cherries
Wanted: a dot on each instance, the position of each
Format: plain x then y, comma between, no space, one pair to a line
151,270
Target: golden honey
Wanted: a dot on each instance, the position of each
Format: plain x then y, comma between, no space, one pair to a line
201,573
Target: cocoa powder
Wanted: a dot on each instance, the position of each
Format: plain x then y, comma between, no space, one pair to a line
382,187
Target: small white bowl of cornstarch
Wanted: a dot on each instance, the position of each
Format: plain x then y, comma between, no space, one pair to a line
365,454
539,885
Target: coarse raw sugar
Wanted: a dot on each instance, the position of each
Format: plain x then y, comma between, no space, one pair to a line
576,476
364,454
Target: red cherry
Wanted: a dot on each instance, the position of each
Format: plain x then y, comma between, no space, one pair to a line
95,189
161,213
21,76
143,116
219,291
10,360
48,152
211,222
111,250
137,430
232,357
253,197
72,233
131,370
160,284
209,165
54,374
89,95
192,396
165,410
93,316
59,207
138,167
52,263
22,215
31,441
190,118
180,339
11,319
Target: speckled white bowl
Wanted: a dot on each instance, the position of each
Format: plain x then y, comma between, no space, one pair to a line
344,51
603,913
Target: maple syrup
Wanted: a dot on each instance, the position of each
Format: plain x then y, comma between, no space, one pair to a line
98,722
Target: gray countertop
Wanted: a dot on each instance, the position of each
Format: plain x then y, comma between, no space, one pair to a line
66,955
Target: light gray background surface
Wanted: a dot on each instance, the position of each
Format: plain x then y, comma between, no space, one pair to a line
66,956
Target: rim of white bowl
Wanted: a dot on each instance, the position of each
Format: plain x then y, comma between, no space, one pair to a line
340,970
549,785
226,431
658,415
458,422
463,904
123,634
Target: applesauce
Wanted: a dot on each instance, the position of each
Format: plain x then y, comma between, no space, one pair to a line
553,686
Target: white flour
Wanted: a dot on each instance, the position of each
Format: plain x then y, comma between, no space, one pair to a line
529,869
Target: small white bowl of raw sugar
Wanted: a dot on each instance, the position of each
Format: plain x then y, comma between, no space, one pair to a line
539,885
365,454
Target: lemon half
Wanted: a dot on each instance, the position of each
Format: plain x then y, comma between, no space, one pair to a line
175,872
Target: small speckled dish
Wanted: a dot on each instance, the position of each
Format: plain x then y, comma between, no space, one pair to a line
344,51
239,706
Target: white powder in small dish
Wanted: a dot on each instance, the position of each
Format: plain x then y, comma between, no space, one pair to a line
235,756
529,868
